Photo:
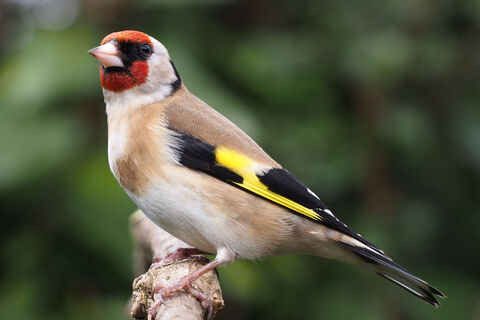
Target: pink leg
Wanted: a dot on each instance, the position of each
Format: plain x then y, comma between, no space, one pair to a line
185,283
177,255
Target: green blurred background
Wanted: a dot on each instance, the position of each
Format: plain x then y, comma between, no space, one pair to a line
375,105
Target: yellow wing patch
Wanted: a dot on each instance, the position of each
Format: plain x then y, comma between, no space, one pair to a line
244,167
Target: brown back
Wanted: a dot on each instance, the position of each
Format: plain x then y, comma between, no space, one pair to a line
187,113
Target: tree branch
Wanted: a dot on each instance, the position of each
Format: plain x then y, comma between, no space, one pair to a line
151,241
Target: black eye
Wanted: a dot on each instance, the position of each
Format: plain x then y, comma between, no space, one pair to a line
146,49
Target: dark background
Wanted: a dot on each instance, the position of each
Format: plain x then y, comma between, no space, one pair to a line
373,104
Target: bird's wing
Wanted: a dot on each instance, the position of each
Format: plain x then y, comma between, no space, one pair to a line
271,183
207,141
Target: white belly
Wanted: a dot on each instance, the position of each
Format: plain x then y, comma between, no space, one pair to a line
182,212
194,208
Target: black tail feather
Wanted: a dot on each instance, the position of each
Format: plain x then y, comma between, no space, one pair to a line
392,271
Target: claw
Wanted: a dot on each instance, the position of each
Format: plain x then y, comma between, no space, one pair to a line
205,301
152,312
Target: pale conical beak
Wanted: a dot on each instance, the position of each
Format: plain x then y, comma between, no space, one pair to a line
108,55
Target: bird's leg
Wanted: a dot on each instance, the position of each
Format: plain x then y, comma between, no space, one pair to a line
185,284
177,255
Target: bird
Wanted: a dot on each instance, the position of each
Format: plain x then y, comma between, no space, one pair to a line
199,177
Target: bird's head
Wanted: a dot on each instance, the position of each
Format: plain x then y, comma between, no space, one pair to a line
135,69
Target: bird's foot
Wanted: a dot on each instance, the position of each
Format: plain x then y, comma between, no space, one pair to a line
179,254
185,284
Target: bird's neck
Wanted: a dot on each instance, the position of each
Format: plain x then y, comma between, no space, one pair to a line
125,101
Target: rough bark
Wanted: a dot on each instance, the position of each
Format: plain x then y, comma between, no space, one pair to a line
151,241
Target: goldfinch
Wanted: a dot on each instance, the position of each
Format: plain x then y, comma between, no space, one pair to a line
202,179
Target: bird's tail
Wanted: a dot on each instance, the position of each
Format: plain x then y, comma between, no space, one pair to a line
376,260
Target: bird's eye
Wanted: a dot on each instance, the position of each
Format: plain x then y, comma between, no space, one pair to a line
146,49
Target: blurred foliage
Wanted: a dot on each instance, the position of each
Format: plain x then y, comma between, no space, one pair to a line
374,105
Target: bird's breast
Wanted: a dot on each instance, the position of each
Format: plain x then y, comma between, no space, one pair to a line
137,149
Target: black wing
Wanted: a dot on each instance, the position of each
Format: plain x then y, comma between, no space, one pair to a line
197,154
